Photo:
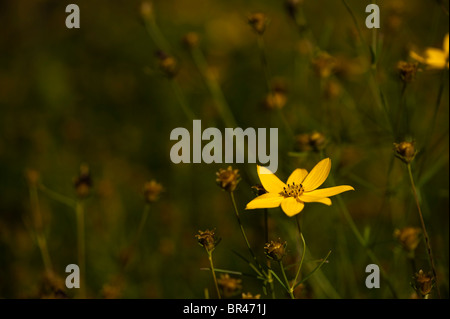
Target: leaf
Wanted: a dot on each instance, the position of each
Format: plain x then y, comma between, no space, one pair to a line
313,271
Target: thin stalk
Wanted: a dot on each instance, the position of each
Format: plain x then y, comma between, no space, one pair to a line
266,239
182,100
265,66
348,217
424,230
303,253
79,210
142,222
135,241
430,129
213,87
290,291
38,226
373,84
213,273
56,196
156,34
241,226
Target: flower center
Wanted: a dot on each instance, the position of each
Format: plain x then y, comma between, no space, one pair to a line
292,190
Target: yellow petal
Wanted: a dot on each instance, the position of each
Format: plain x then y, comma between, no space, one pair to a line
291,206
268,200
445,45
330,191
435,58
313,199
317,176
269,181
417,57
297,176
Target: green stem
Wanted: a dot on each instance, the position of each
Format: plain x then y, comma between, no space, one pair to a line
142,222
182,100
266,239
38,226
265,66
241,226
430,129
424,230
213,273
290,291
79,210
213,87
303,253
56,196
359,236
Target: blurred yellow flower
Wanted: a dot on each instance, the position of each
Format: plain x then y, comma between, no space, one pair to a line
433,57
301,188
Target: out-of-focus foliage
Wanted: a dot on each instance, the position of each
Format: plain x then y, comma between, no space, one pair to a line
97,96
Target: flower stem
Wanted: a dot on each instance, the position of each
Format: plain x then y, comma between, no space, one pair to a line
290,290
213,273
265,66
213,87
182,100
79,210
38,225
266,239
348,217
241,226
142,223
425,233
303,253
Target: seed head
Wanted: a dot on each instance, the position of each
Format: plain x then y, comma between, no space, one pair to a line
83,183
32,177
208,239
190,40
229,285
324,65
275,250
423,282
407,71
228,178
168,64
147,10
152,191
250,296
405,151
408,237
314,141
258,22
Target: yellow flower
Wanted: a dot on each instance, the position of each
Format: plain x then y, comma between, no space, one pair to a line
301,188
433,57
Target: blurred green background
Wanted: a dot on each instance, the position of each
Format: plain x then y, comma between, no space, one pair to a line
97,95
